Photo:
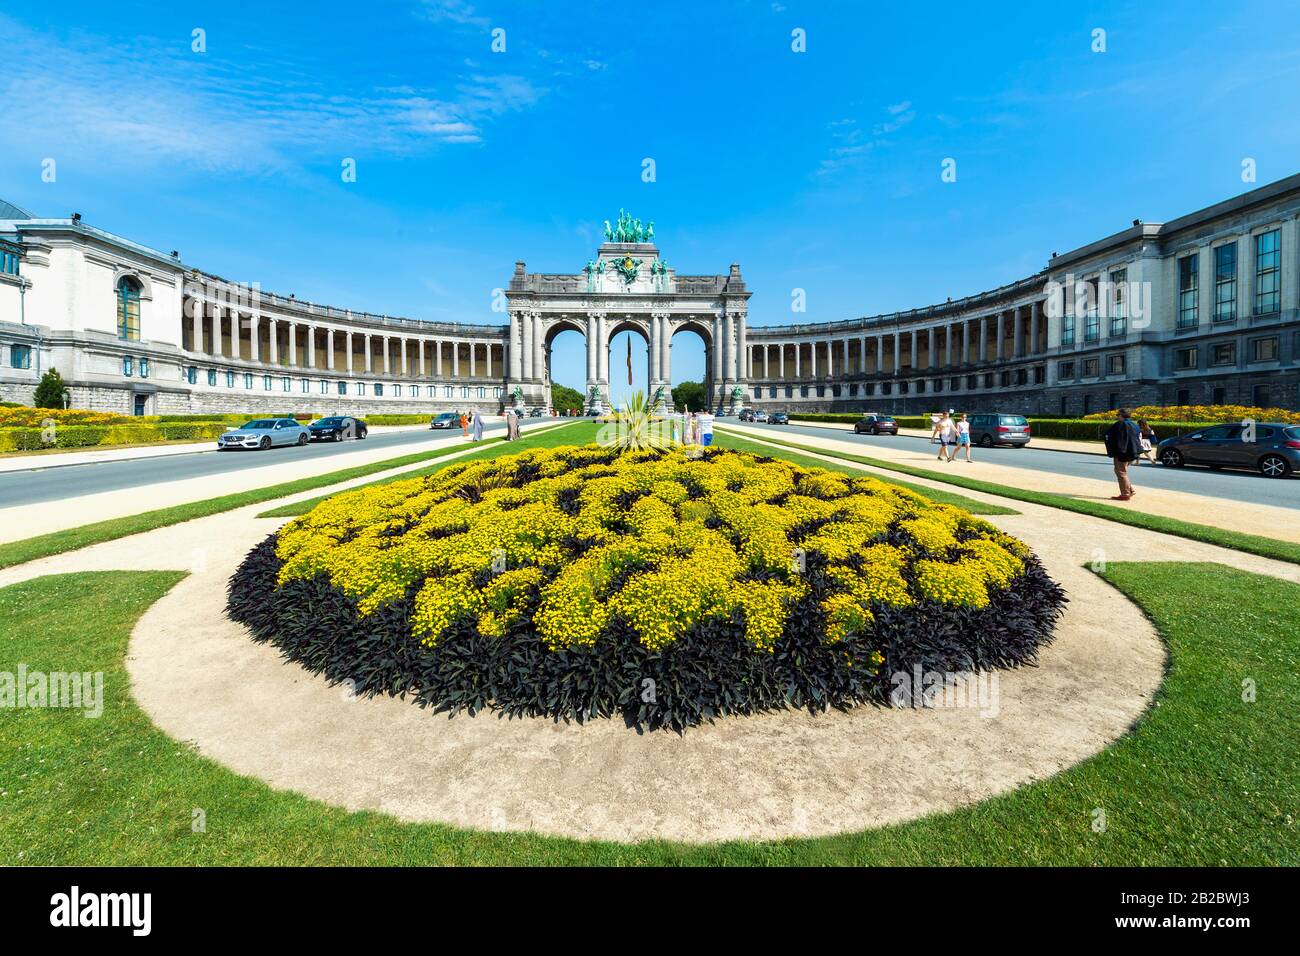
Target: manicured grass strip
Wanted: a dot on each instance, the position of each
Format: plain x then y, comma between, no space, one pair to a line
1205,778
70,539
934,494
578,433
1236,540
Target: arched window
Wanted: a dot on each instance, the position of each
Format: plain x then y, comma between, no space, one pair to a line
128,309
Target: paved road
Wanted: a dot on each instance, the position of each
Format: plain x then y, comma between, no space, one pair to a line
70,481
1234,485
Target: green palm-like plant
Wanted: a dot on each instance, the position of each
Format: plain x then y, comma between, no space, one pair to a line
635,427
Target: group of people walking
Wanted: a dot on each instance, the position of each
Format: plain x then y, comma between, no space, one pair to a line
951,433
693,428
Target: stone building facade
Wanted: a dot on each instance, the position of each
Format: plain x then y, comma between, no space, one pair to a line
1204,309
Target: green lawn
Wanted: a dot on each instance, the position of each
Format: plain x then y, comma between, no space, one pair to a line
1236,540
1204,778
70,539
725,440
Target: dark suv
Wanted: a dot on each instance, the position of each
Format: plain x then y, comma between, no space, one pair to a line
1271,448
998,428
876,425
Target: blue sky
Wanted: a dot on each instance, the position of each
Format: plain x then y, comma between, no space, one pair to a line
817,170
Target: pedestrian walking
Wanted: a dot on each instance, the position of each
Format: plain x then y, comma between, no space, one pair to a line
1123,446
706,429
476,424
963,437
512,424
1147,440
464,425
946,430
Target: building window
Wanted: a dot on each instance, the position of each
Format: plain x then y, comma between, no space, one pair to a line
192,375
884,388
1065,370
1268,273
1090,367
20,356
361,388
447,391
1260,397
266,383
1219,396
324,387
379,390
306,385
482,391
397,391
464,391
1188,306
1186,358
988,379
1022,376
1004,379
212,376
902,388
144,368
248,380
128,366
496,391
936,385
128,309
1091,317
1040,374
1119,302
343,388
9,257
1264,350
1224,353
284,383
1067,330
1183,397
1115,365
871,389
953,385
1087,405
1225,283
972,382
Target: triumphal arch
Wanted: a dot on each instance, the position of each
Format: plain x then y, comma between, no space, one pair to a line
627,285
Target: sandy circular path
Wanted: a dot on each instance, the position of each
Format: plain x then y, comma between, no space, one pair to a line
202,680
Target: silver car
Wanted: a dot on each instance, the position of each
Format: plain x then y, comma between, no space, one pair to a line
262,433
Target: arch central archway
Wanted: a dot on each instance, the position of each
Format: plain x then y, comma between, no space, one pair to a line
630,367
564,358
682,370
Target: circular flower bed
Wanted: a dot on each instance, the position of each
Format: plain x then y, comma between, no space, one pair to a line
667,587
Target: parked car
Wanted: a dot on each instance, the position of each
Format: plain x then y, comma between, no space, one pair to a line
337,428
445,420
760,416
746,415
875,425
998,428
1272,448
262,433
779,418
535,412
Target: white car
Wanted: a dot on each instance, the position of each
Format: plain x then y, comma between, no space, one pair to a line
760,417
262,433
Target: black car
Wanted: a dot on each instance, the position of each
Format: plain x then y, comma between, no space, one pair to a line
998,428
876,425
337,428
778,418
1271,448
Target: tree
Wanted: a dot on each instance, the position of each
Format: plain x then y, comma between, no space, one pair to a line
564,398
689,395
50,391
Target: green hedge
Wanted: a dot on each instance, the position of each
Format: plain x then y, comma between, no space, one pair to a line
89,436
397,419
1072,428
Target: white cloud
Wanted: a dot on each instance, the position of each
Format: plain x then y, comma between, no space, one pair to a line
134,106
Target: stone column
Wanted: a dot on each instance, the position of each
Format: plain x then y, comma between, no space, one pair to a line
998,331
455,358
329,350
602,356
591,348
472,362
526,345
916,362
812,360
982,348
383,344
347,348
293,345
717,353
516,365
898,352
273,339
798,360
780,361
311,347
370,365
196,326
742,342
930,339
666,359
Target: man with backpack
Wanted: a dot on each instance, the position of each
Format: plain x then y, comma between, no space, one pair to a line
1123,447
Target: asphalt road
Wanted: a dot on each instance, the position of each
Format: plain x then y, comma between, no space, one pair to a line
1233,485
41,485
